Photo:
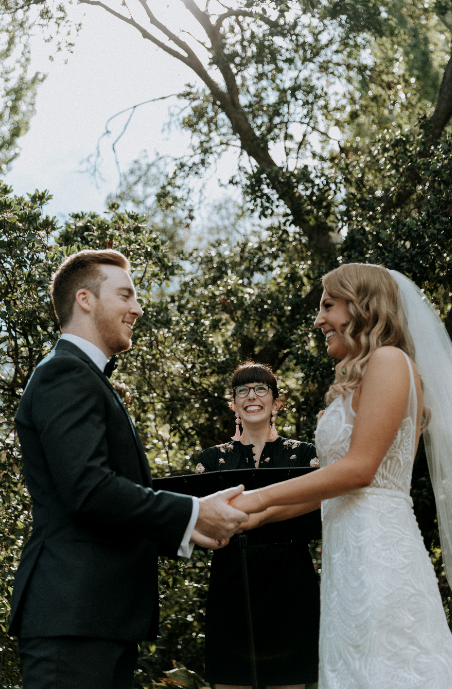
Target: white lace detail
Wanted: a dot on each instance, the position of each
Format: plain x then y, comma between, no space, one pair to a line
382,621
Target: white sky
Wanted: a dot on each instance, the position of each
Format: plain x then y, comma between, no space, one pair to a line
111,68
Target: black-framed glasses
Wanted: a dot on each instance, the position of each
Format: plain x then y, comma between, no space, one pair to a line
244,390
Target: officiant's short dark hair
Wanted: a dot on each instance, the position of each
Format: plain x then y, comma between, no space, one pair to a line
78,271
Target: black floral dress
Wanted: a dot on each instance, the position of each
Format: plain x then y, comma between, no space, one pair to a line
284,589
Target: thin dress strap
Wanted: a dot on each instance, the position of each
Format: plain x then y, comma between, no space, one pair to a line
411,409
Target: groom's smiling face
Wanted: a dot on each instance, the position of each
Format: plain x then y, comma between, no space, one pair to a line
116,310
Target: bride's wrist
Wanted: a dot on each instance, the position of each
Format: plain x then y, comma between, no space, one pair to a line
262,504
256,502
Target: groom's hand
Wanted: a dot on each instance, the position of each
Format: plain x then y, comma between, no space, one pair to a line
206,542
217,519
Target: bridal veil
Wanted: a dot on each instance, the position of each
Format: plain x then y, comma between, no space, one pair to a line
430,348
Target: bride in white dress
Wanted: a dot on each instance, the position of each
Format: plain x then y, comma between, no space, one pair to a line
382,620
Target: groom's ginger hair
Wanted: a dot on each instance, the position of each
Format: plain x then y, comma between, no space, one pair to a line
81,271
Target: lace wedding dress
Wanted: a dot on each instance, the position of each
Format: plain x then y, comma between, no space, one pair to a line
382,621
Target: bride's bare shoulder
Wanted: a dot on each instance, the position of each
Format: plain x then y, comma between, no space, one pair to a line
387,363
388,353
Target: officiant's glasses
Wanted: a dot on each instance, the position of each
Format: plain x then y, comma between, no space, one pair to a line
244,390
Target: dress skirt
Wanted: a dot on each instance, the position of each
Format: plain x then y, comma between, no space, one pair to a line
285,606
383,624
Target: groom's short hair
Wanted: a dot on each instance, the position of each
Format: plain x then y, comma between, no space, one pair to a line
81,271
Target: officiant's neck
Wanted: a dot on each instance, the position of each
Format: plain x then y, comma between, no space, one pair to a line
257,435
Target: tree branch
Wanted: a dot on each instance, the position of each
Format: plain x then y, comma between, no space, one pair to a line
443,110
217,44
169,34
27,5
201,43
444,21
203,18
437,122
191,60
244,13
93,160
229,101
139,28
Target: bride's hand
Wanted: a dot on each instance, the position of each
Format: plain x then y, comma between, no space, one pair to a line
249,501
255,520
206,542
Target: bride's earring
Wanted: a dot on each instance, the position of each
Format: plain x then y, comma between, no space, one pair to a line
273,432
238,421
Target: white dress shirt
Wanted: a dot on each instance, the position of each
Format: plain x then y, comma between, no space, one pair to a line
99,358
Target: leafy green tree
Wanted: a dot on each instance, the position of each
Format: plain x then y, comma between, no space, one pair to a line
28,329
296,88
281,80
286,82
17,87
302,91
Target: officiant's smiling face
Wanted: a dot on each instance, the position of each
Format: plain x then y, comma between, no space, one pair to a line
115,310
253,408
332,318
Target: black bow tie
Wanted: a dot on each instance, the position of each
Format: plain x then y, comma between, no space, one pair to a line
111,365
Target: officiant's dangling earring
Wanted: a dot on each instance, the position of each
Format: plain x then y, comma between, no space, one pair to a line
238,421
273,432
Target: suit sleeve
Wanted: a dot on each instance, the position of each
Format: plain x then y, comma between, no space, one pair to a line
69,412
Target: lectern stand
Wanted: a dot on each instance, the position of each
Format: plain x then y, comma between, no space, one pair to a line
298,530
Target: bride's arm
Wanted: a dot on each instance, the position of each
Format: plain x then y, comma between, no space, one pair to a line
278,513
382,404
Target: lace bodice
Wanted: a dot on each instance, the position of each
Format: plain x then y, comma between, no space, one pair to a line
334,433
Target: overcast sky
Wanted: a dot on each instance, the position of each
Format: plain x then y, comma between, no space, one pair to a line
111,68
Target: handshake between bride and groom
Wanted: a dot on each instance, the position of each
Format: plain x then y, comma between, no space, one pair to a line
86,588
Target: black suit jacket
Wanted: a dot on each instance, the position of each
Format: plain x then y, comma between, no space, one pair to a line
90,565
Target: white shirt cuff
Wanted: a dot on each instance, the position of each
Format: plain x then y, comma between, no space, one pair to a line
186,548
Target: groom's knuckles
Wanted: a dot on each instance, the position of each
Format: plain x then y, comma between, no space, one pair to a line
219,520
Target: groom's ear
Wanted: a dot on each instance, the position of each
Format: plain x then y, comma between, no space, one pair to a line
84,299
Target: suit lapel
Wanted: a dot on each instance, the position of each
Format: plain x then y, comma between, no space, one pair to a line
65,344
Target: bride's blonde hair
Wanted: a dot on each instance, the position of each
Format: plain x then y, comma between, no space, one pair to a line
371,295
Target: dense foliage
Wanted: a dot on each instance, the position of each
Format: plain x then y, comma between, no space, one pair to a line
286,86
339,113
17,86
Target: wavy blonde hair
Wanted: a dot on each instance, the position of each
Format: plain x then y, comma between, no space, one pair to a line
371,294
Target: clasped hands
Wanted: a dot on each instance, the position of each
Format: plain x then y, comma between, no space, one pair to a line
223,514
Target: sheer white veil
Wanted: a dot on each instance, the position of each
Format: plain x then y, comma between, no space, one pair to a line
430,348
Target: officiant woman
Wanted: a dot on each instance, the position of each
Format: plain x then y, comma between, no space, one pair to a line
284,589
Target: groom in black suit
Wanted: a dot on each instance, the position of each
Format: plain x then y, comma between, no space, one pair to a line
86,589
